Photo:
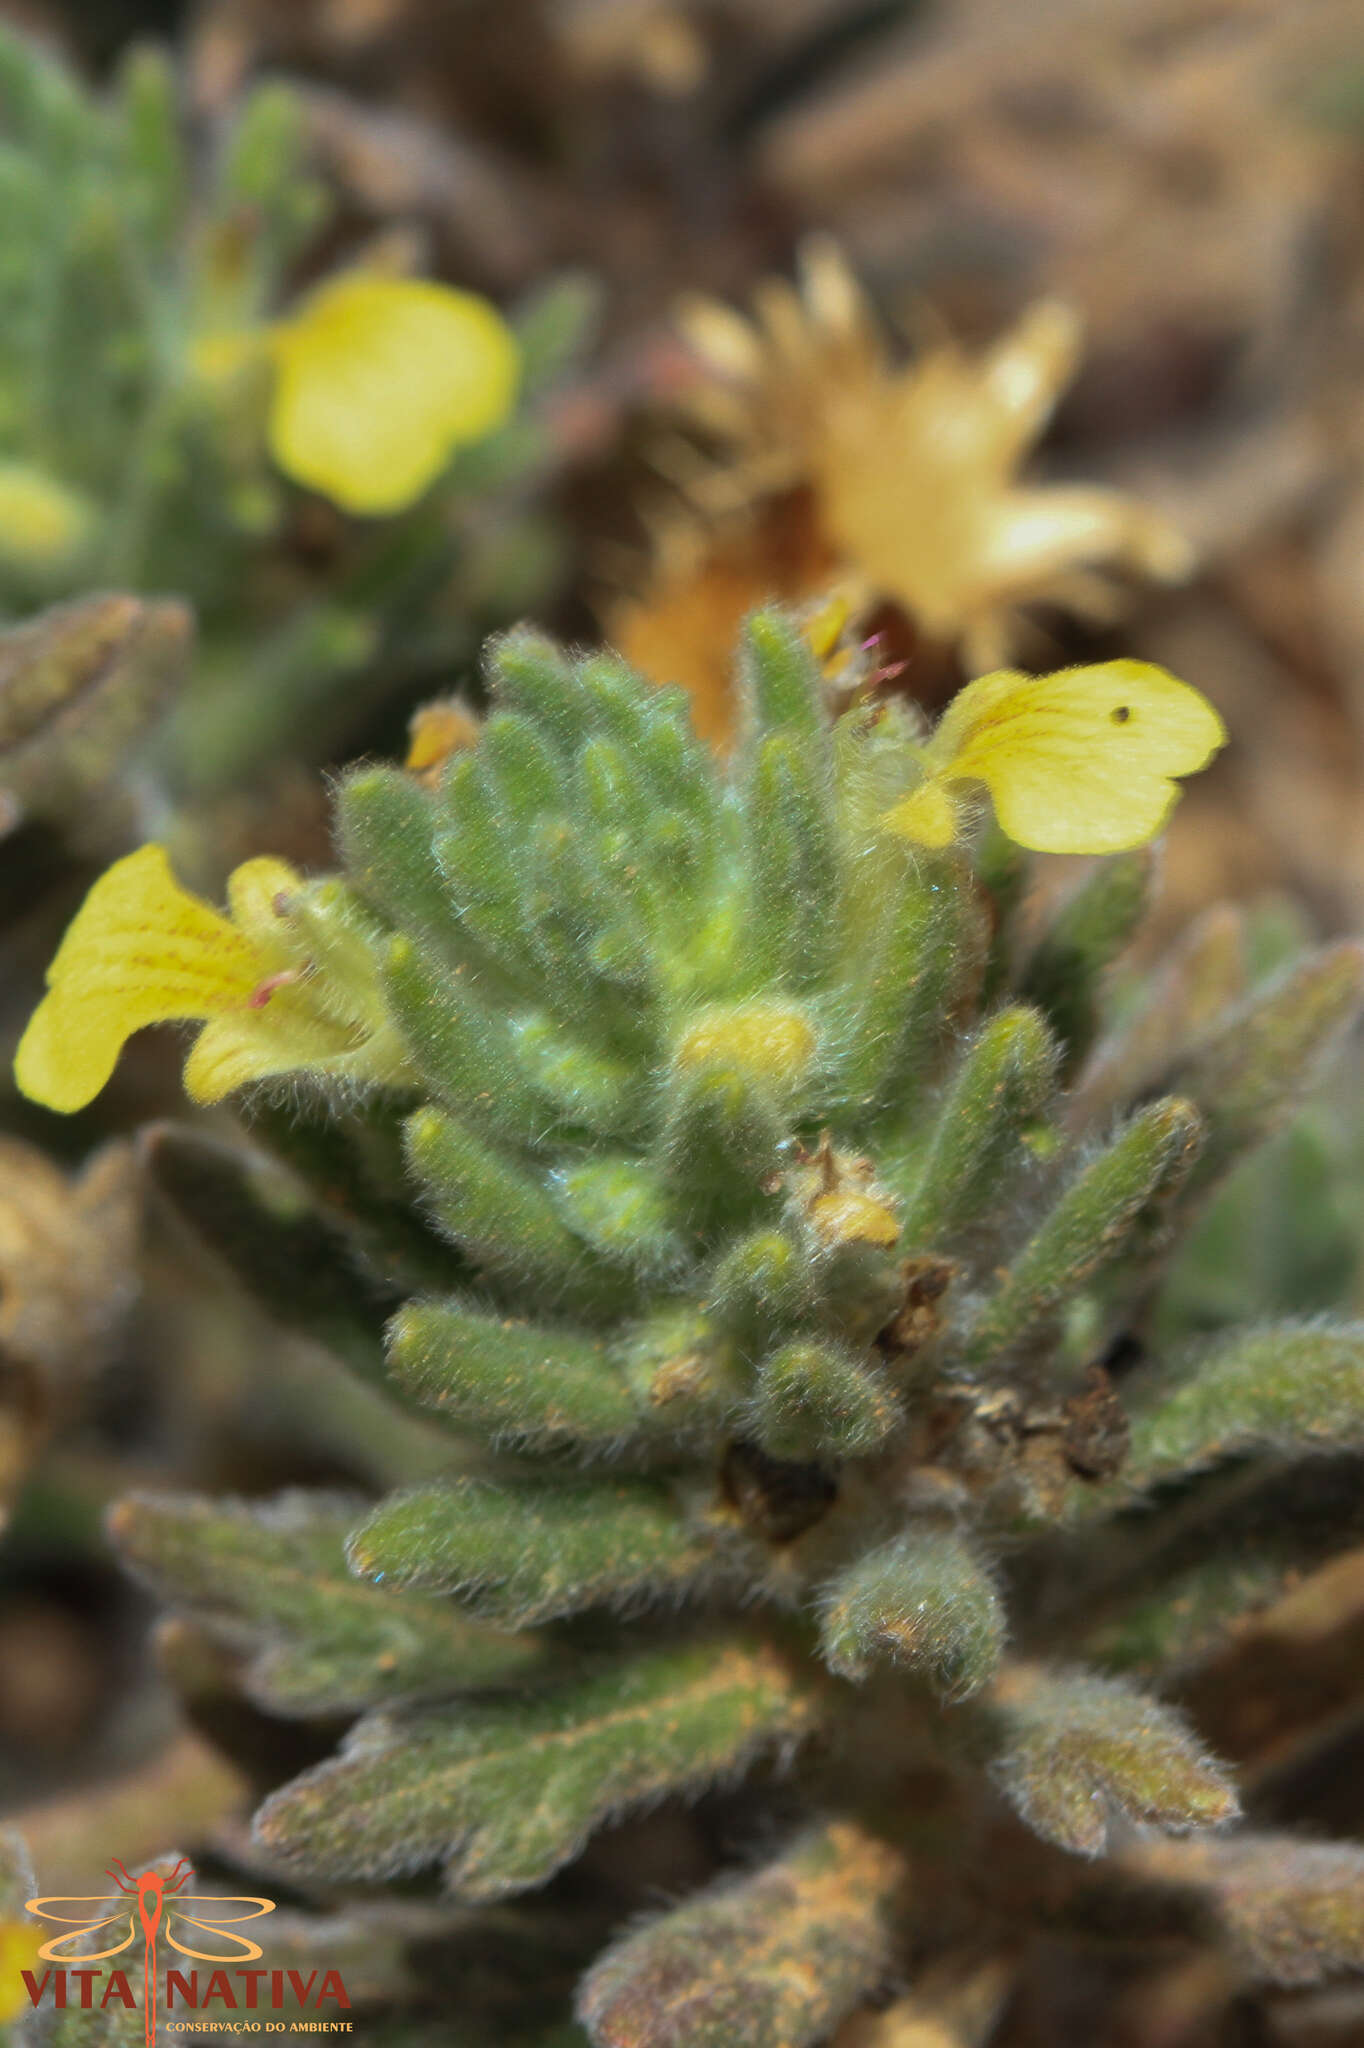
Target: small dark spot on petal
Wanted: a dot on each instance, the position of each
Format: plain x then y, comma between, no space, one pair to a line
1121,713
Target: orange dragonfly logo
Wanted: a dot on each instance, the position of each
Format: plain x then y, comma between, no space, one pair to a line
142,1904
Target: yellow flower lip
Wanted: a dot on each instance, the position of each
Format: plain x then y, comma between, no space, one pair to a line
1084,761
141,950
378,380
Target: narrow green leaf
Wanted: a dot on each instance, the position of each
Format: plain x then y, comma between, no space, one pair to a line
1177,1007
761,1288
580,1085
384,823
1004,1079
1072,1750
503,1216
508,1380
721,1143
528,673
301,1266
1292,1912
1192,1613
270,1577
623,1208
265,148
680,767
462,1045
523,770
1252,1075
912,974
1004,872
476,846
625,894
780,682
556,323
564,917
774,1960
1090,1224
1294,1387
795,874
1064,976
524,1554
505,1794
152,149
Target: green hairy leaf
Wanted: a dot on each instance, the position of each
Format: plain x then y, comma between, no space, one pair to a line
503,1795
795,1256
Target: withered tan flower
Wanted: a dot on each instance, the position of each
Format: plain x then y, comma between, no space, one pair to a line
910,473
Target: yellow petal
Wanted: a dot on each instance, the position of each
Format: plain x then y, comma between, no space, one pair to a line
254,1045
1027,369
826,625
929,815
721,337
379,380
141,950
20,1941
254,891
1081,761
42,522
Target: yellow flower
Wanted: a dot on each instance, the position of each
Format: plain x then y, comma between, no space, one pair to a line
20,1941
142,950
379,379
1081,761
901,481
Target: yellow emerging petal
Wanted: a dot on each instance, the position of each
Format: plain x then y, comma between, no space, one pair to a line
379,380
1082,761
929,815
254,892
767,1039
141,950
849,1216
